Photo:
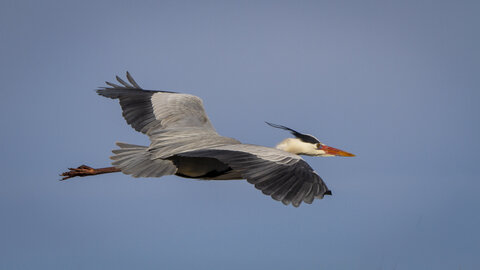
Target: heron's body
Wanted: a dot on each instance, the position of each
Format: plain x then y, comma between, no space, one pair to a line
184,143
204,168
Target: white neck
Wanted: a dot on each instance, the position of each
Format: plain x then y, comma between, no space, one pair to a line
296,146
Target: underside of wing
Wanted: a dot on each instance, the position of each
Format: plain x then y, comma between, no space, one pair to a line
147,110
283,176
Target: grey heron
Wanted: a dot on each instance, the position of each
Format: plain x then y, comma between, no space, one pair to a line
185,143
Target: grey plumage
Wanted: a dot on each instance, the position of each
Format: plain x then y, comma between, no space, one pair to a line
137,161
185,143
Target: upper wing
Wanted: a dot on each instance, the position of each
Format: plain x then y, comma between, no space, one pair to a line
283,176
147,110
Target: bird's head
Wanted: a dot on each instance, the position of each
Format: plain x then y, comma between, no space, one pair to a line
305,144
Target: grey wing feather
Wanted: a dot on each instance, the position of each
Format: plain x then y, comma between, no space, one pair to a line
132,81
126,85
114,85
283,176
147,110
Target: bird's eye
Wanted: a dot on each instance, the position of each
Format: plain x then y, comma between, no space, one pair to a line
319,146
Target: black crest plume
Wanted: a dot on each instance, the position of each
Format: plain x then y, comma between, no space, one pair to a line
303,137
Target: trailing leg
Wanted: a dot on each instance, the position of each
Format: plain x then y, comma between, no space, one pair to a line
85,170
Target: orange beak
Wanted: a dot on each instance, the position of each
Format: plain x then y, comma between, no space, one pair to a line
336,152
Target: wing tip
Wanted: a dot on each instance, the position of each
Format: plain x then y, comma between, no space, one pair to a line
124,85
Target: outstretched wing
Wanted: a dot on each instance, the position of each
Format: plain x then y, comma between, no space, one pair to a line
147,110
283,176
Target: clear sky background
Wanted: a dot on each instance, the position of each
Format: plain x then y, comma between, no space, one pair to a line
395,82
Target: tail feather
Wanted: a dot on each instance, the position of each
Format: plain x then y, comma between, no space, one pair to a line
135,160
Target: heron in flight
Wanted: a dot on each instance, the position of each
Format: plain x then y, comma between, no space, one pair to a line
185,143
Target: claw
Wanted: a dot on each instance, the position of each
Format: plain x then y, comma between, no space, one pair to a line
85,170
81,171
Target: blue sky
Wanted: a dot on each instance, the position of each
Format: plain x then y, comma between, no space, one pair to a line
395,82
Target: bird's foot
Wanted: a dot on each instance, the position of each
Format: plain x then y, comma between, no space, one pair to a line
81,171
